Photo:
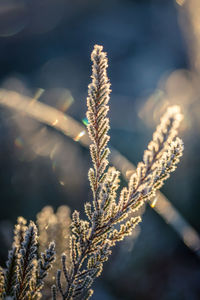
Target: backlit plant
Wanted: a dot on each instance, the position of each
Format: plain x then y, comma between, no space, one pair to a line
84,245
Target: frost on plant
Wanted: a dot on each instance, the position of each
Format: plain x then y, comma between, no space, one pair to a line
26,269
108,215
54,227
82,246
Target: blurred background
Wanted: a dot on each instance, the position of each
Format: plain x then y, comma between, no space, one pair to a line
153,49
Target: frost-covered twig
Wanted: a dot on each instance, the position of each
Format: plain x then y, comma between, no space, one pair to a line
25,270
108,217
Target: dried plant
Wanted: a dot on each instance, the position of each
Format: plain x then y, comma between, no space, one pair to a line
108,216
2,282
84,245
54,226
23,278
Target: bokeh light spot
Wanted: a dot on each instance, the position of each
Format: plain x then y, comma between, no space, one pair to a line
85,121
13,17
19,142
77,138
